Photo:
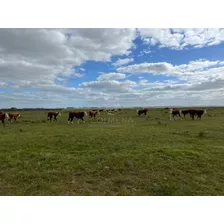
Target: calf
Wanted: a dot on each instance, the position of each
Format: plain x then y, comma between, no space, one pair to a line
92,114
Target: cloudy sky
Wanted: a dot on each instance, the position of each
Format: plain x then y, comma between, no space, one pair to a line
111,67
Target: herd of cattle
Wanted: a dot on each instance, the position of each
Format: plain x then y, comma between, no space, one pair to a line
174,114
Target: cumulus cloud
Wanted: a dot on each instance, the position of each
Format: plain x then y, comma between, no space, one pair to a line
42,54
111,76
123,61
37,63
181,38
110,85
195,71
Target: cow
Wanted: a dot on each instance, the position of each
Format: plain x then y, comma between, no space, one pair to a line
54,115
3,116
185,112
101,110
142,111
13,117
92,114
175,113
77,115
198,113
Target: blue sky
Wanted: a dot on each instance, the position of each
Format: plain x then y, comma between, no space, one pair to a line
116,67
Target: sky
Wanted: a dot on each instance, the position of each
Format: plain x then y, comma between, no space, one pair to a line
111,67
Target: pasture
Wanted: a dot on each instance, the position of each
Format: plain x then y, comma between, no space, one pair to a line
121,154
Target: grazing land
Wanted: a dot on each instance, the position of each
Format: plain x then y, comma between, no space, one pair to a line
121,154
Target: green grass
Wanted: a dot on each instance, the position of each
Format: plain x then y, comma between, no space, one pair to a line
115,155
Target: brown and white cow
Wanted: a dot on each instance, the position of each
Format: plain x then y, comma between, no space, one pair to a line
13,117
142,111
3,116
92,114
175,113
54,115
77,115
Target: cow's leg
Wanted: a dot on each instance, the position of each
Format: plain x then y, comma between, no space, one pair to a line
69,120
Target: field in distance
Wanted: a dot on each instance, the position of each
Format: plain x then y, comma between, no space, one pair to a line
120,154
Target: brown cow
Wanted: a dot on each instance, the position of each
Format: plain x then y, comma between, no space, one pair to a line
3,116
13,117
77,115
175,113
185,112
199,113
54,115
142,111
92,114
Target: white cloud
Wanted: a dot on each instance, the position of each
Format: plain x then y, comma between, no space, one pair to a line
110,86
143,82
44,59
195,71
111,76
3,84
42,54
124,61
181,38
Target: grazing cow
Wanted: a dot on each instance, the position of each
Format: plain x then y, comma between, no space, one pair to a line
92,114
175,113
13,117
101,110
77,115
3,116
54,115
142,111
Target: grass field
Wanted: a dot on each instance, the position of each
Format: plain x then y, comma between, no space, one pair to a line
115,155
